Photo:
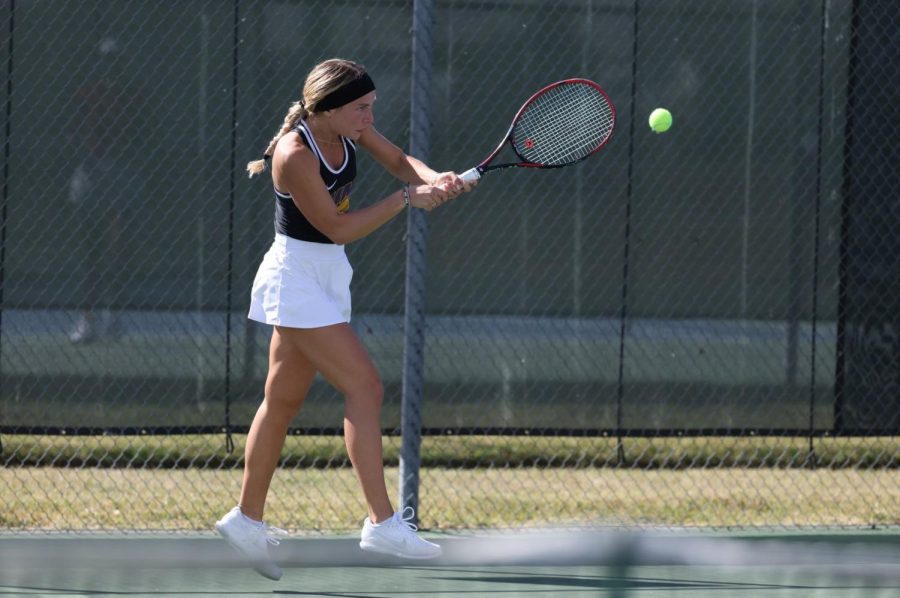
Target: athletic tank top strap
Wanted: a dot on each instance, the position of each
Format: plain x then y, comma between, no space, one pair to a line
289,220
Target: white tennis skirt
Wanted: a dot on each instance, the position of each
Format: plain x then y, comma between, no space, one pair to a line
302,285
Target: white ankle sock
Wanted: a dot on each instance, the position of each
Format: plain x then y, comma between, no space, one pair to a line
388,520
253,521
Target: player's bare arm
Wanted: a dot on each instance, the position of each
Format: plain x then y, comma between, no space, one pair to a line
405,167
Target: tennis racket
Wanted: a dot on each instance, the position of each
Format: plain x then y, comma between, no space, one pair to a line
563,123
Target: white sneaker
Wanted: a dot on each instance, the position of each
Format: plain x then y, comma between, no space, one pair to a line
397,537
252,541
84,331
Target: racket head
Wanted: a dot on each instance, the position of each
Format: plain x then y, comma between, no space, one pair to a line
563,123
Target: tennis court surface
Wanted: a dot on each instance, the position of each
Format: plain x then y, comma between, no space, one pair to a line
547,563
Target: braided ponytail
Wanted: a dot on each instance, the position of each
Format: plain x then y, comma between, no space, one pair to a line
297,112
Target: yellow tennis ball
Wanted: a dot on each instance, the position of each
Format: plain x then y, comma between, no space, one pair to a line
660,120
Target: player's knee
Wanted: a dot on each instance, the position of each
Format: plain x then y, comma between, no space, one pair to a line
283,406
375,392
368,392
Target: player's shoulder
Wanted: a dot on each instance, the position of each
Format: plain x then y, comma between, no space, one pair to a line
293,164
292,152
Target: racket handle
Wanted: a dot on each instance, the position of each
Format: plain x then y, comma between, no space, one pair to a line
471,175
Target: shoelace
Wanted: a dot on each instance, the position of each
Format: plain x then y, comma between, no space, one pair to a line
271,533
404,519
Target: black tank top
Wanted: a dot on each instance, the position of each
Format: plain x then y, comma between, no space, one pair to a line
288,219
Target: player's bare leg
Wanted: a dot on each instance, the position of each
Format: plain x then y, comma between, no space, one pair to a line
338,354
290,376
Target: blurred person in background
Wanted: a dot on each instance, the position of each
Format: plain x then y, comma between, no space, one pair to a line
99,188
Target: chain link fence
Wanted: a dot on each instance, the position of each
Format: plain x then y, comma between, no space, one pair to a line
692,329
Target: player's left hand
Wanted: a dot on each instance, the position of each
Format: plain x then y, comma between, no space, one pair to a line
452,184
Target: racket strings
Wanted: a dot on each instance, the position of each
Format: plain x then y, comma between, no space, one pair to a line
580,109
568,125
563,125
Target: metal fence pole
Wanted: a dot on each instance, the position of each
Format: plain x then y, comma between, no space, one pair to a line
416,242
7,151
232,190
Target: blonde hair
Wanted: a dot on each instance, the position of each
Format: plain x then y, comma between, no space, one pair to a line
323,79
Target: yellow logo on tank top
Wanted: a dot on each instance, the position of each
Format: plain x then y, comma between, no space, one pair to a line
341,197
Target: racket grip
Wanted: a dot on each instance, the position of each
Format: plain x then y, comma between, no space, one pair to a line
471,175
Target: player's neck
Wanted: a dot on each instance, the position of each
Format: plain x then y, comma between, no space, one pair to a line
322,137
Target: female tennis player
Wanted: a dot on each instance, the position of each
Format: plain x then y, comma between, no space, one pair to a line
302,289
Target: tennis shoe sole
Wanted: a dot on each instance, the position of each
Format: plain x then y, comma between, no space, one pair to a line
265,568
